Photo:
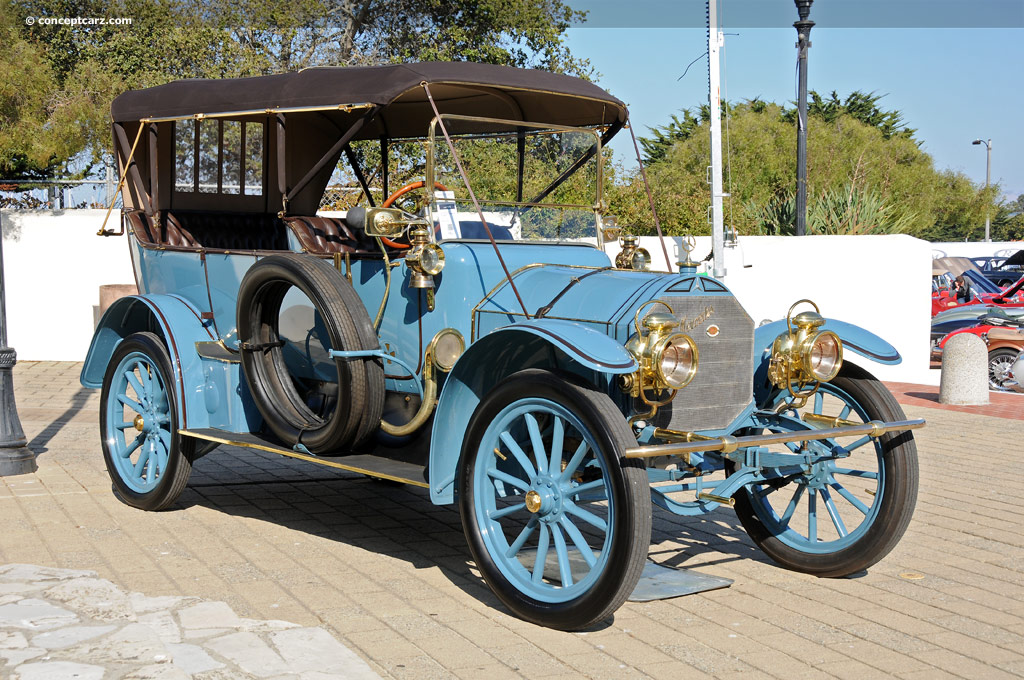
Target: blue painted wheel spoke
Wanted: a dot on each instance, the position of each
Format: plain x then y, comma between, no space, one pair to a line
506,511
130,403
585,515
151,467
853,500
162,455
857,444
162,418
791,508
140,464
165,439
819,401
764,491
575,461
146,377
833,512
140,392
562,551
495,473
520,541
540,454
124,425
557,440
845,412
582,488
542,553
866,474
130,448
579,540
518,454
812,515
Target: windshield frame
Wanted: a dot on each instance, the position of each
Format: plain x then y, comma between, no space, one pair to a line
597,207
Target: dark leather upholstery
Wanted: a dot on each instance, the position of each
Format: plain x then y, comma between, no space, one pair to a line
249,231
228,231
169,233
329,235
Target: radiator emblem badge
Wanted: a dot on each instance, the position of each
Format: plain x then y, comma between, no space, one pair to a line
713,330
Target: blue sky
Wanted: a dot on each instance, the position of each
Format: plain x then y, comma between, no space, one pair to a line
952,84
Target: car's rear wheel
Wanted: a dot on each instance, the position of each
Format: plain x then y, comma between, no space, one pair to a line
1000,361
149,462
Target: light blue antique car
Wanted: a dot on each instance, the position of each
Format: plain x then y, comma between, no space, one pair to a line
472,338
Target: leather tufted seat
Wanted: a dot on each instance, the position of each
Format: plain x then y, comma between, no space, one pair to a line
228,231
329,235
169,233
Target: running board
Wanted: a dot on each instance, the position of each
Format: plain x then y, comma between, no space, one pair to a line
371,466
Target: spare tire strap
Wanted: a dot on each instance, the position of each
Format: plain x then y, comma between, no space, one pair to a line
377,353
263,347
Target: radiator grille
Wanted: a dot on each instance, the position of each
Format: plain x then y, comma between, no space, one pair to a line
723,385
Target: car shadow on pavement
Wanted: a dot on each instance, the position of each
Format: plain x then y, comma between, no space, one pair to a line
400,522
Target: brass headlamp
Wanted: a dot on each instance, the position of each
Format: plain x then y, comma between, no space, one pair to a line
425,259
667,359
632,256
805,355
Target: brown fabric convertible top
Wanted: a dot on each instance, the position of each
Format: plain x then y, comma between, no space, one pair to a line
458,87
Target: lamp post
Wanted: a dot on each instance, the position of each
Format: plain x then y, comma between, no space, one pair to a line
15,457
803,32
988,179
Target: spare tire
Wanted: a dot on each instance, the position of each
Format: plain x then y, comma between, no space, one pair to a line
347,406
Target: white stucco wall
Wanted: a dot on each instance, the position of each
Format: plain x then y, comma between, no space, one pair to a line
55,264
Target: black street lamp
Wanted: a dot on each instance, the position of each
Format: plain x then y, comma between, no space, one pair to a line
803,31
15,457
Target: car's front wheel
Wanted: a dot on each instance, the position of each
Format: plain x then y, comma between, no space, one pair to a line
558,522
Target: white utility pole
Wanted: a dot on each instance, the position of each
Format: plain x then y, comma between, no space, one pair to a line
715,42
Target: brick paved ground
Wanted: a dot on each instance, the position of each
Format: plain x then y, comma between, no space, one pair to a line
389,573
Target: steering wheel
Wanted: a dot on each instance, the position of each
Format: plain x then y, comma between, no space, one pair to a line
411,186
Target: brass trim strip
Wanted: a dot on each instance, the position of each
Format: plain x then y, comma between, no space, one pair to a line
346,108
301,456
727,444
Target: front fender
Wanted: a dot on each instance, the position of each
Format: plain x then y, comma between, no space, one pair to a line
856,339
538,343
178,323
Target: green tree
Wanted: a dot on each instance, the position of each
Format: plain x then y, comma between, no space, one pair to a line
866,173
60,121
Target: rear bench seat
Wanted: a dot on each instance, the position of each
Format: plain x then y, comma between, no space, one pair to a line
249,232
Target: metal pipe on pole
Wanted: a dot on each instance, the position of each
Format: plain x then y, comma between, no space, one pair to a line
15,456
715,41
988,180
803,31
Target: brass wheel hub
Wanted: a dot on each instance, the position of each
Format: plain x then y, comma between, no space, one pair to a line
139,423
533,501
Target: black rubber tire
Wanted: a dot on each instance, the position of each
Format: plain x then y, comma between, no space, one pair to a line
995,356
899,492
628,481
360,398
182,451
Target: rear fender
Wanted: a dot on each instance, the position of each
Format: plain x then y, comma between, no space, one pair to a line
545,343
855,339
179,325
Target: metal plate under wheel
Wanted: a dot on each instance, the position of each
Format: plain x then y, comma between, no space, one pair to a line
657,582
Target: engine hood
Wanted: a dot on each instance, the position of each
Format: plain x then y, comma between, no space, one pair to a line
603,297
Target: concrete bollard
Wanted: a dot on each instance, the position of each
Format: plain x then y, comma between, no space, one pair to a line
111,292
964,371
